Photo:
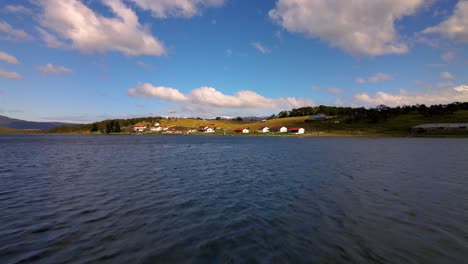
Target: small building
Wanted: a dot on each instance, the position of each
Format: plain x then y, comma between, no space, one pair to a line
209,130
263,130
297,130
156,124
156,129
203,128
242,130
318,117
139,128
279,129
164,128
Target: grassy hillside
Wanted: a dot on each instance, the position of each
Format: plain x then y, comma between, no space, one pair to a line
339,126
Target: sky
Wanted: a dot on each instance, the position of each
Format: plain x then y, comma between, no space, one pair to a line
89,60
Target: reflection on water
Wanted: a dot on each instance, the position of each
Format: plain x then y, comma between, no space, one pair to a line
144,199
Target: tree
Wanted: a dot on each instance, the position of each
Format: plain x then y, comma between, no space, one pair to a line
94,127
218,118
109,126
239,118
116,127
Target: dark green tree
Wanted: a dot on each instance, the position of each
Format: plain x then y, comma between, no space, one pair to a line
94,127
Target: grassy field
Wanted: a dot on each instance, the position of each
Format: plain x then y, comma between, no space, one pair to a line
396,126
19,131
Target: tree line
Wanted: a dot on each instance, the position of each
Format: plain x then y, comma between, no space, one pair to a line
376,114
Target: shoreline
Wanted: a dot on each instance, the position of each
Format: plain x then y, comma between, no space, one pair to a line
308,135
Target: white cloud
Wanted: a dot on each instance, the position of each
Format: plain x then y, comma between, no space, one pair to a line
8,58
359,27
83,29
334,90
50,69
379,77
10,75
461,88
446,75
445,84
448,56
17,9
260,47
176,8
13,33
228,52
147,90
456,26
208,97
331,90
50,40
403,97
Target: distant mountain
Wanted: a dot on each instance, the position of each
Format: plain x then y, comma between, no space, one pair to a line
7,122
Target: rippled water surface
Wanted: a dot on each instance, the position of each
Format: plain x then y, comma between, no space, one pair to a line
176,199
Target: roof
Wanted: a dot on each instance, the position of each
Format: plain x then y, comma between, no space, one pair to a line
239,129
296,128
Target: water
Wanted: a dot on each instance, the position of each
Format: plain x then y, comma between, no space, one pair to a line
177,199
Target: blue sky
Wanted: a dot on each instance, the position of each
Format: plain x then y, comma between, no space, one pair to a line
81,61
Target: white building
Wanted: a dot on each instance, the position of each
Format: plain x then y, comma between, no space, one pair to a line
209,130
263,130
297,130
139,128
156,124
156,129
242,130
279,129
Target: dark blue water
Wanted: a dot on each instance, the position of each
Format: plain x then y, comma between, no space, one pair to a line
179,199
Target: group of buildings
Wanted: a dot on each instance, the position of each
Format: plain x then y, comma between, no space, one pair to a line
206,129
277,129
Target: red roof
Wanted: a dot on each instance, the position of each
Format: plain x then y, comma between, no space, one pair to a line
239,129
295,128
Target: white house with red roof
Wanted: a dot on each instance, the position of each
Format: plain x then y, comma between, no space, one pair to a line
139,128
263,130
279,129
297,130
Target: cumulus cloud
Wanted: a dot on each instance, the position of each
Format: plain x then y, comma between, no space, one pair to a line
260,47
14,34
403,97
147,90
379,77
176,8
446,75
10,75
209,97
359,27
73,23
50,69
8,58
456,26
